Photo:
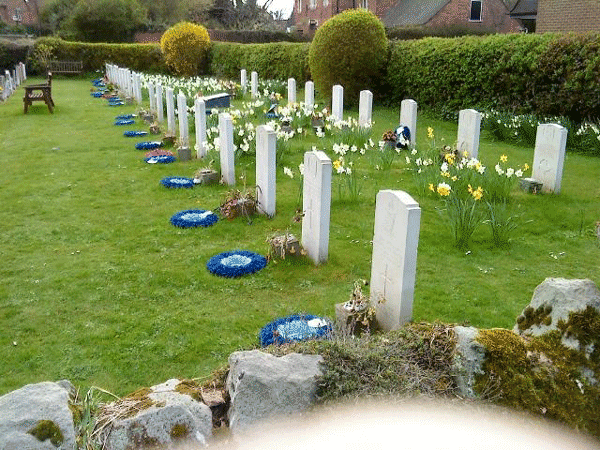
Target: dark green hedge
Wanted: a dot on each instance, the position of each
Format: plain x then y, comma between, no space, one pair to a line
139,57
255,36
281,60
12,53
553,74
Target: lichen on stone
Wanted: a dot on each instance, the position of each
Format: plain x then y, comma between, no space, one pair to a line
47,429
584,327
179,431
191,388
538,316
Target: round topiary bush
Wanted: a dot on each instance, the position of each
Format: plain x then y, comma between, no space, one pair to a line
184,47
350,49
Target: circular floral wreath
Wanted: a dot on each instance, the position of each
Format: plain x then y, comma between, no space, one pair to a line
112,102
97,94
402,136
160,159
294,328
132,133
235,263
191,218
158,152
148,145
124,121
125,116
177,182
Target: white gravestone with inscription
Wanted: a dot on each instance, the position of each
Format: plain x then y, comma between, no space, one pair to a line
160,114
469,126
182,116
365,108
152,97
291,89
316,205
200,123
226,149
170,111
549,156
243,79
266,145
408,117
394,261
337,103
309,94
254,84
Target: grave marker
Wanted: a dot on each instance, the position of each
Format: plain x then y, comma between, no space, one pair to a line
291,89
365,109
266,144
254,84
243,79
226,149
337,103
159,104
184,137
200,121
549,156
316,205
469,126
394,261
309,93
170,111
152,97
408,117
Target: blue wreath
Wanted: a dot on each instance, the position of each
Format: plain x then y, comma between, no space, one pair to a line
177,182
191,218
124,122
98,82
295,328
148,145
160,159
235,263
402,136
132,133
97,94
115,102
125,116
272,112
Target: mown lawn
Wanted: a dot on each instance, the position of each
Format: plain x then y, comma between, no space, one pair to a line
97,286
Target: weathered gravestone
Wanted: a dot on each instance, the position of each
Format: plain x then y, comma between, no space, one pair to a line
408,117
226,149
549,156
254,84
184,136
266,143
170,111
316,205
394,261
365,108
291,90
200,122
243,79
469,125
138,88
160,117
337,103
309,94
152,97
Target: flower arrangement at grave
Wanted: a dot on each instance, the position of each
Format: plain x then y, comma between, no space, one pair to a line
115,101
177,182
236,263
125,116
208,174
158,152
120,122
284,245
155,128
239,203
160,159
295,328
360,312
133,133
145,145
193,218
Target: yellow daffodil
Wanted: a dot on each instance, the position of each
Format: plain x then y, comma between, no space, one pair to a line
443,189
526,166
430,133
503,158
431,187
337,164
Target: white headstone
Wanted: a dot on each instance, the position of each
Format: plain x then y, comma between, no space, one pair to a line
137,87
469,125
17,73
549,156
337,103
160,117
200,122
291,90
266,145
309,93
226,149
24,68
243,79
170,111
316,205
152,97
394,261
184,131
408,117
254,84
365,108
9,81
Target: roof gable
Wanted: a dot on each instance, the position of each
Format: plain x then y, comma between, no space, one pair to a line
412,12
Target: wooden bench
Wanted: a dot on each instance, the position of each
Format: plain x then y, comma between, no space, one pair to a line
39,93
65,66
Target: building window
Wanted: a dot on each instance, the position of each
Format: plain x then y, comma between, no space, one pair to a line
475,11
364,4
313,24
312,4
325,3
299,6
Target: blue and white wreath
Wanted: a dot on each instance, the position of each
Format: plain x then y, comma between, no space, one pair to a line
124,122
97,94
160,159
132,133
113,102
295,328
125,116
191,218
402,136
98,82
177,182
236,263
148,145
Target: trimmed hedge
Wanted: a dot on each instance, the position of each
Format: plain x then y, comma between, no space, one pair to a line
12,53
280,60
139,57
547,74
255,36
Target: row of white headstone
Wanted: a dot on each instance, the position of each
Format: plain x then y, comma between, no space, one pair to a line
127,81
9,82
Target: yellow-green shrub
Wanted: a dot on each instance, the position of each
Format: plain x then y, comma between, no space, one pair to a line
185,46
349,49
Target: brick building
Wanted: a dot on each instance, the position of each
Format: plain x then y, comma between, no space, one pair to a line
568,15
17,12
489,15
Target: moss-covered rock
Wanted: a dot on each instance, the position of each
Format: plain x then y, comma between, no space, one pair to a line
47,429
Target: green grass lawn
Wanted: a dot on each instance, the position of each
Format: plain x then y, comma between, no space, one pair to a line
97,286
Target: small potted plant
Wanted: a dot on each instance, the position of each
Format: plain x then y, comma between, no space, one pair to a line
282,245
317,121
154,128
169,140
389,139
207,174
239,203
